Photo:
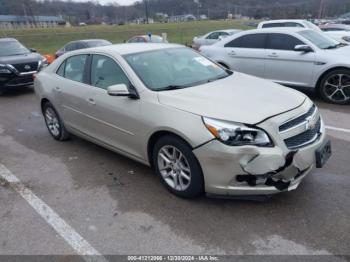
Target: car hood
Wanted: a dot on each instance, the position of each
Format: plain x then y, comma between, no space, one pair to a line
342,51
239,98
19,59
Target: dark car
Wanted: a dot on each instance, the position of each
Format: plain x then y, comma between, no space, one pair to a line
18,64
81,44
147,39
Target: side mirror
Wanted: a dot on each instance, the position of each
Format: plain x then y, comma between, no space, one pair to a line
303,48
120,90
33,50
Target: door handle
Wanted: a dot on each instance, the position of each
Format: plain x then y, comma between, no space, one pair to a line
273,55
91,101
232,53
58,89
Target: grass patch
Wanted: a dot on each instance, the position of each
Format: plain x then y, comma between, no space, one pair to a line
49,40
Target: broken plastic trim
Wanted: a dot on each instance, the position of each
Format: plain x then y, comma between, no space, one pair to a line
268,177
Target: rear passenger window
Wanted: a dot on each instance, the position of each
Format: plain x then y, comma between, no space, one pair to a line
256,41
75,67
282,42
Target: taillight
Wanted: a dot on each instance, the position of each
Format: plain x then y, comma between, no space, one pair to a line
34,76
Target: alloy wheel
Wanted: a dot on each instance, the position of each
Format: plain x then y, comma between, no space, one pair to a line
52,122
174,168
337,88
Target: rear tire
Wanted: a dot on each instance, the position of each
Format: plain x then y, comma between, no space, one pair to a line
335,87
54,123
177,167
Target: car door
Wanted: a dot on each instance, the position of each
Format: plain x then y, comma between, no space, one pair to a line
286,66
247,54
72,90
116,119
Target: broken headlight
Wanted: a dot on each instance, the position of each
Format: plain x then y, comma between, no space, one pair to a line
237,134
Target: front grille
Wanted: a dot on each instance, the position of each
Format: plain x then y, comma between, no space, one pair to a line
21,67
298,120
19,81
304,138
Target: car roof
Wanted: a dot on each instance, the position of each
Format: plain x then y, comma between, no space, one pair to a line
129,48
284,21
335,26
279,30
8,39
151,35
86,40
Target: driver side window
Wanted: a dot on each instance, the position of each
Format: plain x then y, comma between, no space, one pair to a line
106,72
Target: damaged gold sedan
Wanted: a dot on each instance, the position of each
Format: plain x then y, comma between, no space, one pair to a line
202,127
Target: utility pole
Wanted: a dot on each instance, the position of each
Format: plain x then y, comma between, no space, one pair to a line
146,10
322,9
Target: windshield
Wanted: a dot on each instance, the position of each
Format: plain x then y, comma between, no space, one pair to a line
312,26
319,40
8,48
174,68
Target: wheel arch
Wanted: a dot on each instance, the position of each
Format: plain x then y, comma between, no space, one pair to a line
43,102
156,136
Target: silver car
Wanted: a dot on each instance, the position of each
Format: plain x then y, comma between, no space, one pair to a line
202,128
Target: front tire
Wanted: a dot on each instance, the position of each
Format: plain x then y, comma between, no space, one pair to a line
335,87
177,167
54,123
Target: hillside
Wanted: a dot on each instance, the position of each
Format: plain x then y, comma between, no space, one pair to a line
93,12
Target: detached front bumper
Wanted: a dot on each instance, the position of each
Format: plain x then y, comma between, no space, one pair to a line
251,170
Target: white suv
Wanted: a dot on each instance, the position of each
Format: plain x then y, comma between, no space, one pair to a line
289,56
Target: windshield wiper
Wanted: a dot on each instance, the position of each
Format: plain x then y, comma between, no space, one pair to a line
333,46
172,87
229,73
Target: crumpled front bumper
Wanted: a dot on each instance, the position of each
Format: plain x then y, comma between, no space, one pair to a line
251,170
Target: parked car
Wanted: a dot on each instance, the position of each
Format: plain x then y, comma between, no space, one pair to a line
288,23
342,37
212,37
18,64
289,56
202,127
339,32
335,27
81,44
147,39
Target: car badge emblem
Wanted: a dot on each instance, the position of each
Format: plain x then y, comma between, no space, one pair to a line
311,123
27,67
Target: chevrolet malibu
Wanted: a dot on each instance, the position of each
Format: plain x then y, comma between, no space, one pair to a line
202,128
